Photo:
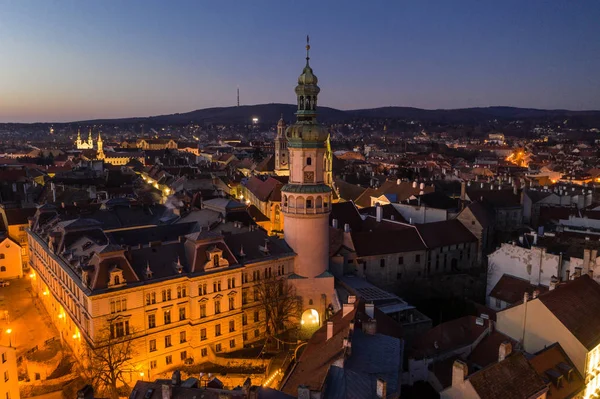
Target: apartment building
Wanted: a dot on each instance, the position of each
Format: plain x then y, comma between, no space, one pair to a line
181,293
9,379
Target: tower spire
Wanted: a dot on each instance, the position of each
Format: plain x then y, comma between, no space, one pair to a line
307,49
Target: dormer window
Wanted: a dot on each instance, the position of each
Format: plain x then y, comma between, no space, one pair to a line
115,278
215,258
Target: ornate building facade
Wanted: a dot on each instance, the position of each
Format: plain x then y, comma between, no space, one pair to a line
307,201
84,145
186,298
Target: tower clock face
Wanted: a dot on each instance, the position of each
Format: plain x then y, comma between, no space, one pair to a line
309,176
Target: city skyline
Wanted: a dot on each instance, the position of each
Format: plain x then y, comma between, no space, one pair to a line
108,60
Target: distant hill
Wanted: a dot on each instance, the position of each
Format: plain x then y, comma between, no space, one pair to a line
270,113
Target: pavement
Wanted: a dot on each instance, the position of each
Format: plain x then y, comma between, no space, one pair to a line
27,318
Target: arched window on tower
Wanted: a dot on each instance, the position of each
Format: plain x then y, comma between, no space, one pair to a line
292,202
314,103
319,202
285,200
309,203
301,101
308,106
300,203
309,161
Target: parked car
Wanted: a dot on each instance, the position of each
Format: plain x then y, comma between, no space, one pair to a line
4,283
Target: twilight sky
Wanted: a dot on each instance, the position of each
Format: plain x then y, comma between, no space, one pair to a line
64,60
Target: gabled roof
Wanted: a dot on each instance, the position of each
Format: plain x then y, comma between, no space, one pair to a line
346,213
448,336
512,378
348,191
575,304
389,212
444,233
481,213
554,357
265,190
381,242
497,199
511,289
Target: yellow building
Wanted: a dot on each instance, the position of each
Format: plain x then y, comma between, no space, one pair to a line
15,223
11,265
567,314
9,379
185,298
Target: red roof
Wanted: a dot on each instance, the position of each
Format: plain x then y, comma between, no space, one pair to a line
511,289
575,304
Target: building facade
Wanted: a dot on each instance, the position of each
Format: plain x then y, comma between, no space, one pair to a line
11,265
9,378
184,299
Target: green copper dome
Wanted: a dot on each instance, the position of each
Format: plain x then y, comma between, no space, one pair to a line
307,132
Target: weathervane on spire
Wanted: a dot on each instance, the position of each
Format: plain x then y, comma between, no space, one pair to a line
307,48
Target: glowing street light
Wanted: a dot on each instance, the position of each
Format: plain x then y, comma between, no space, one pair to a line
255,120
9,331
32,275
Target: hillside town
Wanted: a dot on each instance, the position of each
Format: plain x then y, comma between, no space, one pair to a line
376,257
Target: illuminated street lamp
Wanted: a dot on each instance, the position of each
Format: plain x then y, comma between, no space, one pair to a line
255,120
9,331
142,375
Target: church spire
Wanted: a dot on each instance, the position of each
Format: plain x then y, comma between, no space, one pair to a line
307,49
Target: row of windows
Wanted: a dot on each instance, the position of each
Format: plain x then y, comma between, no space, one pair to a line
203,351
266,273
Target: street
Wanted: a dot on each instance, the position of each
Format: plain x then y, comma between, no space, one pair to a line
28,322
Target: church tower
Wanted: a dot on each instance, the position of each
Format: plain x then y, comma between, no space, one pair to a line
100,153
78,141
282,165
90,140
307,201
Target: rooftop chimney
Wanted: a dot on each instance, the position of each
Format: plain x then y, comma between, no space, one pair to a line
176,378
504,350
381,389
553,283
414,185
329,330
303,392
334,223
370,310
167,391
346,228
460,370
347,308
370,327
422,186
351,299
536,293
379,212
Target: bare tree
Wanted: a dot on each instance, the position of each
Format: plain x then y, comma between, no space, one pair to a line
282,306
109,361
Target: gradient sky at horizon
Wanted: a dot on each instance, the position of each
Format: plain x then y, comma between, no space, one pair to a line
66,60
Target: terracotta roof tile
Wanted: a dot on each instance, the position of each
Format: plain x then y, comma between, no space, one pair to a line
511,289
512,378
575,304
549,358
